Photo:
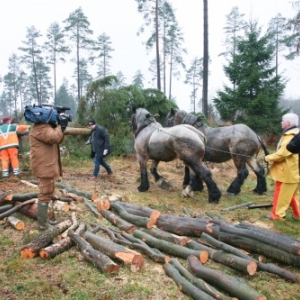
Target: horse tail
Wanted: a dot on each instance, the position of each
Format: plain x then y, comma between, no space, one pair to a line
263,145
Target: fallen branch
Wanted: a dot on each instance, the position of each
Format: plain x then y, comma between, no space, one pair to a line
243,205
15,208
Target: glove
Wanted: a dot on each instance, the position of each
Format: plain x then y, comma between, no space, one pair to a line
105,152
63,122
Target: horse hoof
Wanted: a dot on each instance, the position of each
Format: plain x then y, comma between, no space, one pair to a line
185,194
163,184
141,190
213,201
230,194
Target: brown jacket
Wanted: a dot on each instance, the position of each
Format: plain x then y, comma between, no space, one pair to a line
44,150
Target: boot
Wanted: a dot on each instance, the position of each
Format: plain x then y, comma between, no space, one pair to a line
42,216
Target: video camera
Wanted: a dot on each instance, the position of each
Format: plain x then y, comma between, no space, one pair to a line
45,113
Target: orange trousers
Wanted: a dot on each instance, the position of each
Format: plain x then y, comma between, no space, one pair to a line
285,195
10,156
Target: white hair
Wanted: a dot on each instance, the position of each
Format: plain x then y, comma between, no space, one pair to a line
292,118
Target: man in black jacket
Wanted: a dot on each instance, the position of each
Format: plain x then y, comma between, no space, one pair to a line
100,147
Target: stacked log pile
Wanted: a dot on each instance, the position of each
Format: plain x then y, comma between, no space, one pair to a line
136,231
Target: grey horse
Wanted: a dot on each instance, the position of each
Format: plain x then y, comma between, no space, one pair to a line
152,141
237,142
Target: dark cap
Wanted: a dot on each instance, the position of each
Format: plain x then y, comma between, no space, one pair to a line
92,121
15,121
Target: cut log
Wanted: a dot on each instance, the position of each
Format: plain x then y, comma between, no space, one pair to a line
244,265
28,183
63,245
59,206
73,196
268,237
199,283
88,195
166,236
115,251
24,197
44,239
184,285
137,210
236,287
92,208
103,204
187,226
252,245
117,221
4,208
77,131
170,248
137,220
15,223
15,208
31,210
5,196
101,261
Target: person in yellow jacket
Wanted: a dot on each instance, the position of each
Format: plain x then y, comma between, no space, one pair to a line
9,146
284,170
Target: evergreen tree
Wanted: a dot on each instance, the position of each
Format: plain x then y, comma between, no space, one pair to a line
65,98
194,77
255,99
121,81
56,49
31,58
103,49
138,79
77,27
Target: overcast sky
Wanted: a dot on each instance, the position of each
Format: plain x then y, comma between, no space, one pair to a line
120,20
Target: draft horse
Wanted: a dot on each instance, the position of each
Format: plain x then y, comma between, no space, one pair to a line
237,142
152,141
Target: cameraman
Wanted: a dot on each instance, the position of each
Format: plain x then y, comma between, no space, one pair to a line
45,162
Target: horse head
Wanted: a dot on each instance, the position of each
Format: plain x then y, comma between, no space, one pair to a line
140,119
170,119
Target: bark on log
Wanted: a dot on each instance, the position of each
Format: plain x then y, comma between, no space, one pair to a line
5,196
87,195
15,208
117,221
137,210
77,131
115,251
244,265
258,247
15,223
187,226
59,206
166,236
137,220
184,285
63,245
170,248
236,287
31,210
24,197
270,268
199,283
268,237
44,239
101,261
92,208
4,208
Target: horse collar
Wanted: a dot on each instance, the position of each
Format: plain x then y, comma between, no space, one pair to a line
140,129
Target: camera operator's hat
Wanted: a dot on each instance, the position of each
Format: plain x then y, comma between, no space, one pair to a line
91,121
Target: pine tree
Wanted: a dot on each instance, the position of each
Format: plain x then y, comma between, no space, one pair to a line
138,79
255,99
77,27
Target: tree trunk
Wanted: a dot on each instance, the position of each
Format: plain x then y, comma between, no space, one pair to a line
24,197
5,196
15,223
237,287
15,208
117,221
92,208
77,131
62,245
6,207
259,247
137,220
184,285
101,261
187,226
170,248
44,239
199,283
115,251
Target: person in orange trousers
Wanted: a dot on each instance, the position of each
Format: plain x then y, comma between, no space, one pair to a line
285,171
9,146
